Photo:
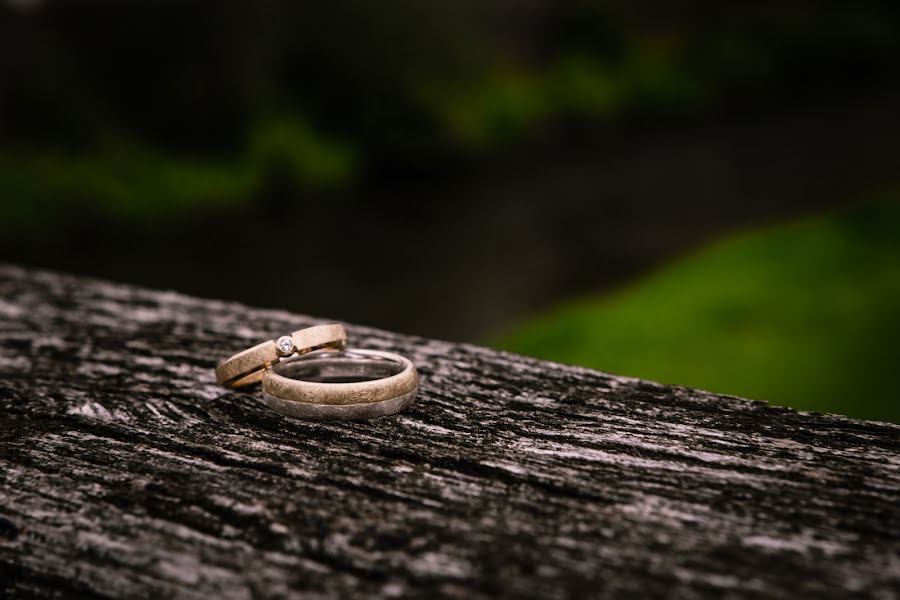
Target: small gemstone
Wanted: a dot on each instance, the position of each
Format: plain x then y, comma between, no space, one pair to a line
285,344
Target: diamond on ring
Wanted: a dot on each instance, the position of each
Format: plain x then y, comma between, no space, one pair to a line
285,344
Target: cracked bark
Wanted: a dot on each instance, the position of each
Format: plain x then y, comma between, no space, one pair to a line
126,472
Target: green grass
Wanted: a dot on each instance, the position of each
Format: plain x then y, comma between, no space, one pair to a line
805,314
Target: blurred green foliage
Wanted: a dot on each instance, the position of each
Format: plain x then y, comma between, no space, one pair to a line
805,314
289,146
124,182
318,96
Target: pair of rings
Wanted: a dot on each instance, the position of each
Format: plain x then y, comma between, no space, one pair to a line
310,374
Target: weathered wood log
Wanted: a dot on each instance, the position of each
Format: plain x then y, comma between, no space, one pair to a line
126,472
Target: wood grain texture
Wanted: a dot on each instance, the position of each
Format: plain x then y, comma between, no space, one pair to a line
125,471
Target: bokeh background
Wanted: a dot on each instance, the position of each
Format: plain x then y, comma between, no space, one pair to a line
704,193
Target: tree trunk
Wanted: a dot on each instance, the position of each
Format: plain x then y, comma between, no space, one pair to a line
126,471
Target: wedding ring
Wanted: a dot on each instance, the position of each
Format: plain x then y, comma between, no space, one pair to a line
247,367
353,384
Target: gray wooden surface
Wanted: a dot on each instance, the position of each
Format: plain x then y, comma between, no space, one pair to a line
126,472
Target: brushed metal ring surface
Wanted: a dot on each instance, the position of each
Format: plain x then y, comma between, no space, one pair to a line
387,377
339,412
247,367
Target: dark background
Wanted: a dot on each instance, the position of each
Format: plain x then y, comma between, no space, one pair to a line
469,170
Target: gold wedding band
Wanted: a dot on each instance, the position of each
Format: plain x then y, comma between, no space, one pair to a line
248,366
324,381
379,386
341,385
